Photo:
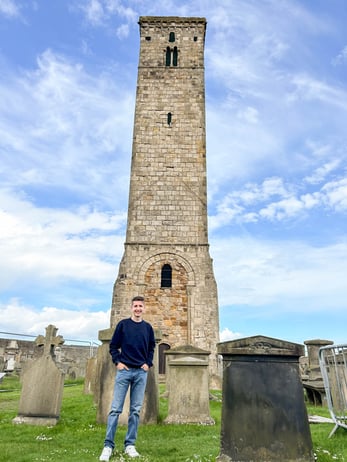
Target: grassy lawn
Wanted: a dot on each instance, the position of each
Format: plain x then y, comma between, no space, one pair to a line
78,438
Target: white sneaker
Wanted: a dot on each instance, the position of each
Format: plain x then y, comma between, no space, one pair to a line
131,451
106,454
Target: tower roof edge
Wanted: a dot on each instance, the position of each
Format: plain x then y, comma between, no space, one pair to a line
158,19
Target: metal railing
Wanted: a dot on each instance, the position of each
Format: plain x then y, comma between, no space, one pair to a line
333,365
67,342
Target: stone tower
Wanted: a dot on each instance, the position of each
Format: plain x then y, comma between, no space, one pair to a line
166,256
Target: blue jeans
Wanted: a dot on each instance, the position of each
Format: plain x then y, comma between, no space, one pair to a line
136,379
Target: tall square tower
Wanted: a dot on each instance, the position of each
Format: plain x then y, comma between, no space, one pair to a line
166,256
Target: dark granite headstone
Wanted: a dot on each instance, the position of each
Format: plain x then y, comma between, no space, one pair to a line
264,416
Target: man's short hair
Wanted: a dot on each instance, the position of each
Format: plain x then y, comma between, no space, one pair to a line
138,298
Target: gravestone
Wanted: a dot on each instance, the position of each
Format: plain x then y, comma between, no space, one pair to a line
90,376
42,384
150,408
11,353
105,373
313,383
188,385
264,416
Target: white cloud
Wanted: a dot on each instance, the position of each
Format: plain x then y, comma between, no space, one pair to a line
249,44
9,8
94,11
123,31
227,335
336,194
41,244
234,206
291,274
249,114
100,13
309,88
341,58
244,148
118,7
320,173
282,209
72,325
57,120
311,200
273,200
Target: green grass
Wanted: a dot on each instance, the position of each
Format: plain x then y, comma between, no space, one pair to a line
327,449
78,438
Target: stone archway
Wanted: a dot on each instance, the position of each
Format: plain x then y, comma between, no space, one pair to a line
168,307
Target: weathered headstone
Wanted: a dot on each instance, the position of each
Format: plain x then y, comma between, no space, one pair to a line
264,416
42,384
105,372
90,376
11,354
313,383
150,408
188,385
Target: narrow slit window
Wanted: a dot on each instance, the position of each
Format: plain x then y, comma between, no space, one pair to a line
175,57
169,118
172,37
168,56
166,276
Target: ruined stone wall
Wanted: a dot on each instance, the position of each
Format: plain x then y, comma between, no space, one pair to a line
16,354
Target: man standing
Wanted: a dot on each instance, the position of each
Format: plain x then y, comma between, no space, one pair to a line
132,349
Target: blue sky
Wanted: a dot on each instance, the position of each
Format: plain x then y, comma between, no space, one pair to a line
276,107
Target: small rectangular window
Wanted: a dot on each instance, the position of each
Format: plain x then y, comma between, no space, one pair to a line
166,276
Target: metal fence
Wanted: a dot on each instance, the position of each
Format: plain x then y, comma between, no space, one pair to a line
93,345
333,365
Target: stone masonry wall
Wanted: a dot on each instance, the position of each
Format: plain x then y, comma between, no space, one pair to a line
17,354
168,178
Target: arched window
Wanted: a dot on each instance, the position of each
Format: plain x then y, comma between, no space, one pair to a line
172,37
175,57
171,56
166,276
168,56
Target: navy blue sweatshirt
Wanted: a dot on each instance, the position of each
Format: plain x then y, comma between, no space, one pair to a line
133,343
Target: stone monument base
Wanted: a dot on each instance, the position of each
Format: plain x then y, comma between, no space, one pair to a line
32,420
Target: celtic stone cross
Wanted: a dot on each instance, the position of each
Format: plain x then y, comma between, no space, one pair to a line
50,341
